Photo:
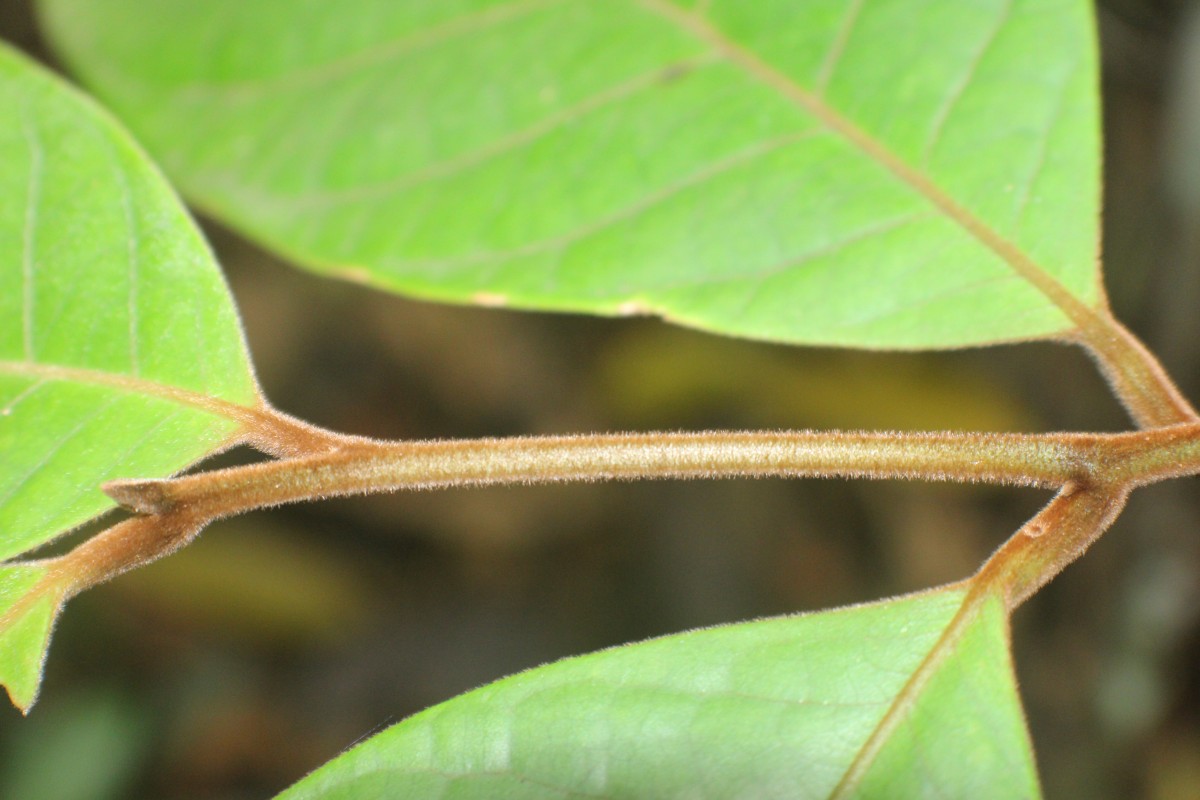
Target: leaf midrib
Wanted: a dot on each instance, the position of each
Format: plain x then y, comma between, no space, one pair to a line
244,415
909,695
1090,321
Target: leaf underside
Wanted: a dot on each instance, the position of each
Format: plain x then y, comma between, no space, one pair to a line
114,320
774,708
118,339
23,640
834,171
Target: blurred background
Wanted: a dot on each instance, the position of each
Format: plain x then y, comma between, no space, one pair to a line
278,639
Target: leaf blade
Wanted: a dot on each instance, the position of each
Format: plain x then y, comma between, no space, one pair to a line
119,344
838,173
28,609
970,699
778,707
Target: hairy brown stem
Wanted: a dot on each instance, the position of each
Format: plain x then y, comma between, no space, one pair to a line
270,431
125,546
1136,377
1094,471
1060,533
1045,461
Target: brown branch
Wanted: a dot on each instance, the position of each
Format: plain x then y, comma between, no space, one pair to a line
1097,468
1046,461
1060,533
1136,377
364,466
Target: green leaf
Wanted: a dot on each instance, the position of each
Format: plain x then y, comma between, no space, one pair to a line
120,350
28,608
889,174
904,698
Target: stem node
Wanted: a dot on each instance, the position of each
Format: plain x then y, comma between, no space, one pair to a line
145,497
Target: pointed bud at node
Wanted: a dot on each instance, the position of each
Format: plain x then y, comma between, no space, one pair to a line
147,497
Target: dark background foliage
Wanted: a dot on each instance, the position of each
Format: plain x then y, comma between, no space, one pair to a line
232,668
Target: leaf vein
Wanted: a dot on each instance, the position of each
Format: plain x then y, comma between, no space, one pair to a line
131,258
709,172
877,229
943,114
133,385
464,25
51,452
20,397
1040,162
28,236
905,700
540,129
837,48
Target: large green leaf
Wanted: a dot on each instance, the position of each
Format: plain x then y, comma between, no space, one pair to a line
895,699
118,339
899,173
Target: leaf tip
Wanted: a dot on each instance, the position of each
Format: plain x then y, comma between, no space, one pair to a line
25,630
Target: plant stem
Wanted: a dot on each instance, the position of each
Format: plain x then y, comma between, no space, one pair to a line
126,545
364,466
1056,536
1095,473
1047,461
1136,377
